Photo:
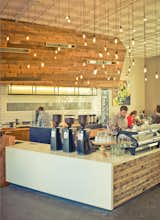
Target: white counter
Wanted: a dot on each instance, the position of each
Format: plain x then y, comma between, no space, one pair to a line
87,179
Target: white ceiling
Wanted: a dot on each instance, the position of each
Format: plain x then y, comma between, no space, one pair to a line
128,13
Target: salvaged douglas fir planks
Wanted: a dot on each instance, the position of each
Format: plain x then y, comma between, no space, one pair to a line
135,176
5,140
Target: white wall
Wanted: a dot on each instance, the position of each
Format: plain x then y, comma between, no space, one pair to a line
152,86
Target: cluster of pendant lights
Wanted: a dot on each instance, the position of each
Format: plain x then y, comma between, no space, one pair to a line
131,44
27,38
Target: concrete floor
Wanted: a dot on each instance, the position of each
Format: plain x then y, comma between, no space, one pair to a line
21,204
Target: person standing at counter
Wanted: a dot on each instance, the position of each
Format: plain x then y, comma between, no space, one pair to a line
120,120
43,118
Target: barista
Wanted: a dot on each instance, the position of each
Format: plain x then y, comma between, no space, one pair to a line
120,120
43,118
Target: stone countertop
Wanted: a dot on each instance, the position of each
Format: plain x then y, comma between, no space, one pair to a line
95,156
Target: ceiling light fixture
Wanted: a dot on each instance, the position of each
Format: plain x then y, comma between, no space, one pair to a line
116,55
35,54
95,71
116,40
42,64
100,55
27,37
156,76
28,66
7,38
83,36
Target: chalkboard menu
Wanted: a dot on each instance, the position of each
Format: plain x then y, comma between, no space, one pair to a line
105,106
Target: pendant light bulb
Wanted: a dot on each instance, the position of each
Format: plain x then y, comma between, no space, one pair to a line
133,42
118,71
115,40
42,64
133,62
7,38
81,76
27,37
94,39
95,71
145,69
156,76
116,55
108,53
129,69
83,36
77,78
58,48
129,49
145,79
100,55
34,54
28,66
145,19
103,66
85,44
88,82
120,29
105,49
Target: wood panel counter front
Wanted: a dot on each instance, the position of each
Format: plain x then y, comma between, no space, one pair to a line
18,133
93,179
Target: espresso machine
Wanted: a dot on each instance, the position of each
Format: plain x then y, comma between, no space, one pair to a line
56,141
83,144
68,136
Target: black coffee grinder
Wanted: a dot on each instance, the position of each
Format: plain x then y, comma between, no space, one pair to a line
83,144
56,142
68,136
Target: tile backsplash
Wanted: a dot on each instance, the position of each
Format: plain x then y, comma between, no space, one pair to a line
23,106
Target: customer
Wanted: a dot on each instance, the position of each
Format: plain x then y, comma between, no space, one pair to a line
43,118
156,116
120,120
132,119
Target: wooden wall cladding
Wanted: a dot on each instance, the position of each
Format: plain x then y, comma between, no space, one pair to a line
59,69
134,177
18,133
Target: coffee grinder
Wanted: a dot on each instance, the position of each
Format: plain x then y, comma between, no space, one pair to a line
56,142
83,144
68,136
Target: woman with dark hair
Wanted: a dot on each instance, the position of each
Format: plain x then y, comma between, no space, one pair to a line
132,119
156,116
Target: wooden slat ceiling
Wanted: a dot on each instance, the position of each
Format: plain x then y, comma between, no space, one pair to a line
68,68
88,16
127,13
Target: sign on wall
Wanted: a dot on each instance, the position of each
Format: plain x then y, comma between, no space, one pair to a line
121,95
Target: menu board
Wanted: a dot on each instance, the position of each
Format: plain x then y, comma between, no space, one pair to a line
105,106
